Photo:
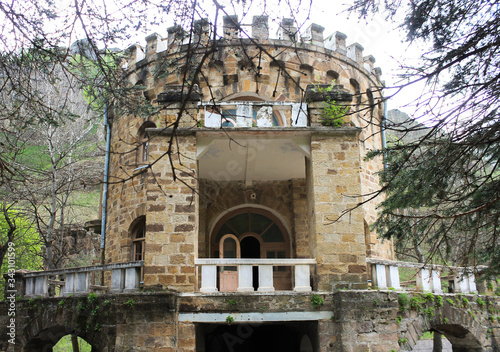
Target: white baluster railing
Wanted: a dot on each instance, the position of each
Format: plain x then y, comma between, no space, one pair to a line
428,277
301,276
125,277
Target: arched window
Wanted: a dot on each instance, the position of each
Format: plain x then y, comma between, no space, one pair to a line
332,75
138,238
257,223
144,141
357,91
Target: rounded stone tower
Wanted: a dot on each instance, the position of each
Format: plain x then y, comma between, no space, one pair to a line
251,148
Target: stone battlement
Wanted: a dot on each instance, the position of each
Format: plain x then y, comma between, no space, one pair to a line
178,39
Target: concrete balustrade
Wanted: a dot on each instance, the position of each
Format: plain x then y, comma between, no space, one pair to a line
428,278
125,277
301,277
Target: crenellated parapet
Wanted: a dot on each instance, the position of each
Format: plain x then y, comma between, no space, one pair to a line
178,39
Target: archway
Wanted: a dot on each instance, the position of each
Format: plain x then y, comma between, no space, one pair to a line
58,339
261,235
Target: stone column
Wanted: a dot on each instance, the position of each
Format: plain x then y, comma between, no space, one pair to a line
172,218
333,179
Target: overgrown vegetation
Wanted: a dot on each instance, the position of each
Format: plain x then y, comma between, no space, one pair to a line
317,301
333,113
443,187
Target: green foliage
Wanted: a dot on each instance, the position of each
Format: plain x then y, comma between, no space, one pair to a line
130,303
27,245
399,319
429,312
429,297
443,186
403,301
465,302
480,302
92,298
428,335
446,320
375,302
450,301
333,114
229,320
316,301
416,303
80,307
402,341
232,303
439,301
64,345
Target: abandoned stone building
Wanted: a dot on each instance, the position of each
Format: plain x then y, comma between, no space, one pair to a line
226,223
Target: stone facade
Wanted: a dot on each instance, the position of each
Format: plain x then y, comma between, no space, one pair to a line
181,178
181,203
357,320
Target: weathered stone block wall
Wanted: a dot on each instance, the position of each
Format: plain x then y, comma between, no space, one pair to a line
340,245
172,217
351,320
127,190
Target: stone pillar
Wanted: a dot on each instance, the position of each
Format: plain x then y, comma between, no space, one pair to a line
302,278
336,42
231,27
436,281
117,280
424,280
208,278
355,52
339,243
287,30
69,284
379,276
201,30
175,36
172,217
393,277
314,35
266,278
301,219
260,27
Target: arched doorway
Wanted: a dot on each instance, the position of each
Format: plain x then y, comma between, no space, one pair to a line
260,235
251,249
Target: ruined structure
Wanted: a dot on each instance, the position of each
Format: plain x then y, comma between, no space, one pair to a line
225,208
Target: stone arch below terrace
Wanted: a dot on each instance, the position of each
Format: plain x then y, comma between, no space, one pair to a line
465,333
52,322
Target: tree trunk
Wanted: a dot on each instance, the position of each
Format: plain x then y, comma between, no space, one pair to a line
74,343
437,345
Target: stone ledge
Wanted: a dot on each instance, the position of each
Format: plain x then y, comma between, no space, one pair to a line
256,131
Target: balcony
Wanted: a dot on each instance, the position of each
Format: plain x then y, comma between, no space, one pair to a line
125,277
242,274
